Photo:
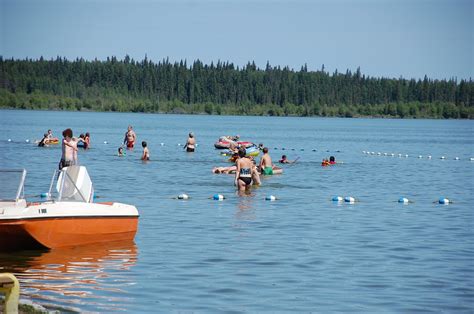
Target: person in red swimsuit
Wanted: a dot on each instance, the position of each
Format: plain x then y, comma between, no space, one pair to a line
130,137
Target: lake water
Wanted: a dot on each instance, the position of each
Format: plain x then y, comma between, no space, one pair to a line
301,253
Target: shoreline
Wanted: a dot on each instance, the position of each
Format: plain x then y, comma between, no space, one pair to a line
388,117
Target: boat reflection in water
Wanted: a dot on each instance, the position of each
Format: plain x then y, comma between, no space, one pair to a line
84,278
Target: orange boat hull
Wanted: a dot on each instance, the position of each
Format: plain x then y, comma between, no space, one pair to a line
65,231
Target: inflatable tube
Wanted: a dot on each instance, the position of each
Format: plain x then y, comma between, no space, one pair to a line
226,144
53,141
252,151
275,171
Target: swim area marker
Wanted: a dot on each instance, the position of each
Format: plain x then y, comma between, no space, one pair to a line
406,155
271,198
218,197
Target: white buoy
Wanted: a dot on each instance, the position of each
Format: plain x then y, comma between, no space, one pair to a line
429,157
363,152
379,153
162,144
349,199
419,157
218,197
179,144
403,200
105,142
183,196
9,139
399,155
406,155
443,201
385,154
372,153
392,154
442,157
270,198
27,140
337,199
457,158
471,159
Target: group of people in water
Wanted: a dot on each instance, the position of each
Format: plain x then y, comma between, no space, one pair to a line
131,137
328,162
69,145
245,169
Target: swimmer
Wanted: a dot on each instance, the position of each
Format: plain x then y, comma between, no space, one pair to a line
130,138
87,140
243,173
224,170
50,138
255,173
44,141
266,165
80,141
234,157
284,160
190,143
120,152
332,160
146,154
325,163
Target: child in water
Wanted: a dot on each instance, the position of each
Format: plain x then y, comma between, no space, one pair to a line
120,152
332,160
146,154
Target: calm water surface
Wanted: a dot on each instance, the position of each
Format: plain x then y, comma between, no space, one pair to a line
301,253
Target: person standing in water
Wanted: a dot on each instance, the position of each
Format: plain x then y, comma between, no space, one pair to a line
130,137
243,173
87,140
69,150
190,143
266,164
146,153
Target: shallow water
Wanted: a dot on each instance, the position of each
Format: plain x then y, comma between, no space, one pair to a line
302,252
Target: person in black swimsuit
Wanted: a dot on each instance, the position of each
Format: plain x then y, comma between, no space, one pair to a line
243,174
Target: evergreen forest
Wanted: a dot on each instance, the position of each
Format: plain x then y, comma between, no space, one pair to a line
225,89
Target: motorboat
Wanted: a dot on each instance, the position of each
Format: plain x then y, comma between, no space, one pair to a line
68,217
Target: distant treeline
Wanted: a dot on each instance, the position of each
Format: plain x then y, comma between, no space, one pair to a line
222,88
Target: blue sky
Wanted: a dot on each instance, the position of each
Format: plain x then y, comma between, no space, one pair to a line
389,38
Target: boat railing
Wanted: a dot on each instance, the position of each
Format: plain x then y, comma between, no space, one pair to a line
9,192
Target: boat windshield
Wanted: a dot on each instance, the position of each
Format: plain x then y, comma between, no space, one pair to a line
72,184
12,183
